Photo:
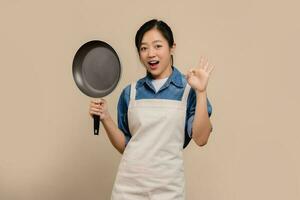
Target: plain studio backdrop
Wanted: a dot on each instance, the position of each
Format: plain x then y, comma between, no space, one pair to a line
47,147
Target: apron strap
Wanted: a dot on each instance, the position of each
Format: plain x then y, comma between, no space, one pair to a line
183,99
132,91
186,93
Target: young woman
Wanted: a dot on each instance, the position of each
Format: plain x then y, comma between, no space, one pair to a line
157,117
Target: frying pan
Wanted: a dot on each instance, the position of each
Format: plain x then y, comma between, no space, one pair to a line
96,71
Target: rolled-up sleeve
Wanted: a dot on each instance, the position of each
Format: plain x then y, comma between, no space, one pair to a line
191,107
122,113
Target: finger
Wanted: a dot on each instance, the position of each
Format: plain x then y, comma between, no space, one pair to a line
102,105
94,113
188,74
102,108
196,72
102,102
210,69
102,113
200,65
205,65
95,109
94,105
95,101
193,71
99,101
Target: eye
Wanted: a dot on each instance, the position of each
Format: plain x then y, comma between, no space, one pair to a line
143,48
157,46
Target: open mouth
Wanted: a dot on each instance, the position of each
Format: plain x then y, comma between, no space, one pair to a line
153,64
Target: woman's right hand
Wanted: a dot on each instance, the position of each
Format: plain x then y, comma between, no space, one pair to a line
99,107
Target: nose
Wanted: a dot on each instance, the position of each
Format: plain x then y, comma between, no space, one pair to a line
151,52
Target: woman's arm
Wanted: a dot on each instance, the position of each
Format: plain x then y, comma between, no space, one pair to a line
115,135
202,127
198,79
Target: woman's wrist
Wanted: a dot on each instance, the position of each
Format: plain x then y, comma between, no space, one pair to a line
106,118
200,92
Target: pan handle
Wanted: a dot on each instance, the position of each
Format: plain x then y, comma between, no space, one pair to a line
96,124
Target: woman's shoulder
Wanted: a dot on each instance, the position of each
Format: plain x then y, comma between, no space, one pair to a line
126,90
178,73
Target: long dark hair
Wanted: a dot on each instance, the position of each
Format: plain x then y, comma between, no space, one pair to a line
161,26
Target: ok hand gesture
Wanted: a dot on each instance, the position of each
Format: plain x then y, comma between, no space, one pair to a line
198,77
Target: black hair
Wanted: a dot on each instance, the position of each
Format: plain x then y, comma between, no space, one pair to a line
161,26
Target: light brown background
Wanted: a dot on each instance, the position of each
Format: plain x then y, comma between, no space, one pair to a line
47,148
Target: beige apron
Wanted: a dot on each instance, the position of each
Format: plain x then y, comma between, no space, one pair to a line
152,165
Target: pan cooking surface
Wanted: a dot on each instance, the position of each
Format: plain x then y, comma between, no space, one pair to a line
100,68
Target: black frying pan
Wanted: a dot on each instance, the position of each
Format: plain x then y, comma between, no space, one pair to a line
96,71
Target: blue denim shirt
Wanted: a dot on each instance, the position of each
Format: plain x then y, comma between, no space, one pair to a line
173,89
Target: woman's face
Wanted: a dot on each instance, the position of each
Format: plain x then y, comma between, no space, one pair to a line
155,54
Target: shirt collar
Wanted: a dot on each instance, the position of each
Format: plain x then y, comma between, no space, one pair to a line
175,78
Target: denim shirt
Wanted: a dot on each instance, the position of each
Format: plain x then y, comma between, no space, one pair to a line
173,89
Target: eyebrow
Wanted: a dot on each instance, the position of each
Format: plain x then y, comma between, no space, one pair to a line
155,41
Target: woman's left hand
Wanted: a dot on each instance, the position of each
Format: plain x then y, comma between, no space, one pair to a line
198,77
